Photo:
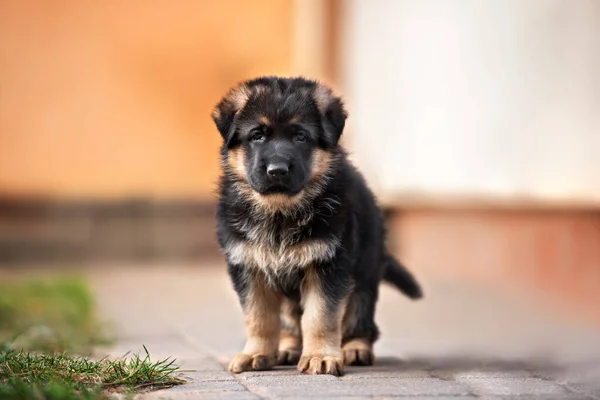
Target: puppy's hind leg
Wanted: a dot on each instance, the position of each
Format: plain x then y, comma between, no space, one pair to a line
290,339
359,328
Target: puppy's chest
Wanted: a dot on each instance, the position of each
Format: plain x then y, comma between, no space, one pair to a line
278,247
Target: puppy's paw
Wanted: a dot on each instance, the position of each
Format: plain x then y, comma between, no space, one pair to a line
255,362
358,357
288,357
290,348
358,352
318,364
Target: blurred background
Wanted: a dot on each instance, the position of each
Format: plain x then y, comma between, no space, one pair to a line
476,122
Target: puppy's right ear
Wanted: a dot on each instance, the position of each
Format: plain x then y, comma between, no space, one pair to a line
225,113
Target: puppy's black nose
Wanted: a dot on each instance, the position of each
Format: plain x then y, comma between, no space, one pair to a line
277,170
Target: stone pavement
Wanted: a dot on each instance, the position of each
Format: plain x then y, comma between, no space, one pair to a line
461,341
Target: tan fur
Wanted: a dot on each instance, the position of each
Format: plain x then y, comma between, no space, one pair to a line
236,160
323,97
264,120
290,318
289,349
216,114
262,256
262,318
275,202
239,97
290,340
357,344
272,203
321,330
233,101
321,162
236,99
358,351
261,311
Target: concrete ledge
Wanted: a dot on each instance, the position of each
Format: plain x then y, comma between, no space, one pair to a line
33,231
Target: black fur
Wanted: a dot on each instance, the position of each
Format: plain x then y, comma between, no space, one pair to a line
340,208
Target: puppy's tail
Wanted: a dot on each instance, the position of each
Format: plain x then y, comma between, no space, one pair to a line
396,274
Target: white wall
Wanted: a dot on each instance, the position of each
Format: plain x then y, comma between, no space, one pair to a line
496,98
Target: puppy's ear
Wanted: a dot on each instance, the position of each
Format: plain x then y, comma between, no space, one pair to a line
333,114
224,114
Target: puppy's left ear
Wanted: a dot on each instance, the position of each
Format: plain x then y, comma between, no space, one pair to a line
333,114
225,112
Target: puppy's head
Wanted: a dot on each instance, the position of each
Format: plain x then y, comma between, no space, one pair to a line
279,134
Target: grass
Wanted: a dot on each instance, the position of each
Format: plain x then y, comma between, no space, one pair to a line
44,324
26,375
50,315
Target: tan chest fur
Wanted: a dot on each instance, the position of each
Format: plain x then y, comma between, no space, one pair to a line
264,256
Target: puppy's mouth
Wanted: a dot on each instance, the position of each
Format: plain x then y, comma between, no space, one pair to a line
279,189
265,188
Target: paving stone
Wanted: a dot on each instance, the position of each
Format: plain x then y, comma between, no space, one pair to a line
386,363
200,364
327,397
589,389
482,374
514,386
589,375
200,384
296,378
426,397
350,373
564,396
277,371
440,359
357,373
200,395
284,386
206,376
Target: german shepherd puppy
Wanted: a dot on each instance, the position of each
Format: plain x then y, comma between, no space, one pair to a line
301,230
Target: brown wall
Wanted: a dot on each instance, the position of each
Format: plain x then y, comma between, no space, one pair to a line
112,99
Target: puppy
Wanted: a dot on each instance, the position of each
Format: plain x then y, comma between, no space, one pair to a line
301,230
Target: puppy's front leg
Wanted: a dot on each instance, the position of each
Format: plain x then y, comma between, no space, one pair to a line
325,292
261,305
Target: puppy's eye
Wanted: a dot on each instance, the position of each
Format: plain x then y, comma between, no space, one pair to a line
257,136
301,137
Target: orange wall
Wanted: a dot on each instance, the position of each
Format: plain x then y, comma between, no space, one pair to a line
113,99
552,252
